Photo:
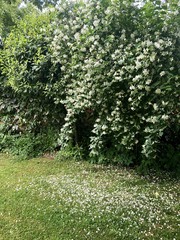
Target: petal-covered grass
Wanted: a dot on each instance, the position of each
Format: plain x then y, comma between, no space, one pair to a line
50,200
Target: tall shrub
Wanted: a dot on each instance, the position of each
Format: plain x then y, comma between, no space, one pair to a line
121,65
31,76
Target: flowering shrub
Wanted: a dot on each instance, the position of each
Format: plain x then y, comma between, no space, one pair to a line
121,64
117,79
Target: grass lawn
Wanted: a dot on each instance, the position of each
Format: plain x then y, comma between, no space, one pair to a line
43,199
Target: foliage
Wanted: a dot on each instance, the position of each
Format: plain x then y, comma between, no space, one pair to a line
104,72
31,77
11,13
70,153
41,4
28,145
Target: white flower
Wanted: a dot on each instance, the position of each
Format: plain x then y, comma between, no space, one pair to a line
161,41
164,103
132,87
66,26
96,22
123,37
113,56
136,78
138,40
176,12
148,43
157,45
64,5
165,117
104,127
143,44
154,119
63,68
145,72
60,9
65,37
97,64
141,56
155,106
158,91
121,61
108,11
83,49
152,57
164,29
147,88
97,37
140,86
77,36
148,81
162,73
84,29
138,65
91,38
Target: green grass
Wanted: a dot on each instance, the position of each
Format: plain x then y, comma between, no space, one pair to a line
43,199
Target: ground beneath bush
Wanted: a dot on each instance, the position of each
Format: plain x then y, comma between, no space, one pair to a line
50,200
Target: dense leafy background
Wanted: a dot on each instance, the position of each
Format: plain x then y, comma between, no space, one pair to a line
103,75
